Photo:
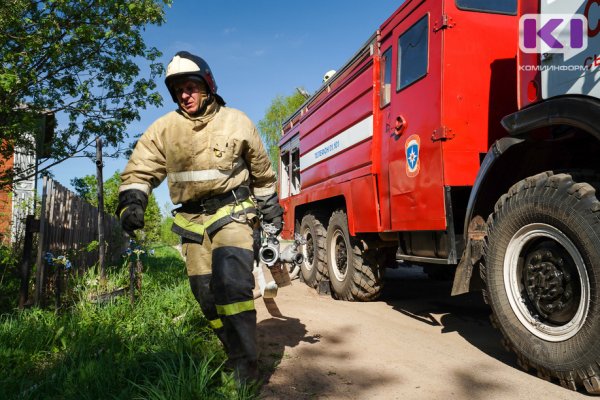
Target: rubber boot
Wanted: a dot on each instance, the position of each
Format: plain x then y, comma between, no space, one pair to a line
245,372
233,284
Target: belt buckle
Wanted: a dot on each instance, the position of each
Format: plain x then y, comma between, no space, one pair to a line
210,206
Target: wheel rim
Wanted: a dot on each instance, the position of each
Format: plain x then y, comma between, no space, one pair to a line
547,283
338,256
308,250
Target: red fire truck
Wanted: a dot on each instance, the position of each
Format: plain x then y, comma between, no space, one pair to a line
444,143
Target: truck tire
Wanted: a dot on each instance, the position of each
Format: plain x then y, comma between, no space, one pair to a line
352,276
313,250
542,275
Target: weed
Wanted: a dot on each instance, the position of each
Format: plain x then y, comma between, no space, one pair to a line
161,348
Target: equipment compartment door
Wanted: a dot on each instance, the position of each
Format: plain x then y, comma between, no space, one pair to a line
411,150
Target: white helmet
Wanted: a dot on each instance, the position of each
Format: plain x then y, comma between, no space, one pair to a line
328,75
189,66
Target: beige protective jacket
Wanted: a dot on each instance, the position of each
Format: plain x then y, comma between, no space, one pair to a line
201,157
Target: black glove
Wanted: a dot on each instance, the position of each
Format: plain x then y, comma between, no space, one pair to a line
132,204
271,211
277,222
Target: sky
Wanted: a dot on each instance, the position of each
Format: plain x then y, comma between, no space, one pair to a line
256,50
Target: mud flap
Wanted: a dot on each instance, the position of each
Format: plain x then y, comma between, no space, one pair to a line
464,272
473,253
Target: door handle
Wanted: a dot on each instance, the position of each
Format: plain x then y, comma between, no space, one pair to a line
401,125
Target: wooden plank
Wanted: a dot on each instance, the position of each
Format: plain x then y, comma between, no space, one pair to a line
67,226
40,271
51,224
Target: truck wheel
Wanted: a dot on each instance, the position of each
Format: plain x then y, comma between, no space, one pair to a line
542,273
352,278
313,250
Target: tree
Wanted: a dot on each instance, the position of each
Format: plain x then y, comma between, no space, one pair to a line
270,126
87,188
167,236
152,221
78,59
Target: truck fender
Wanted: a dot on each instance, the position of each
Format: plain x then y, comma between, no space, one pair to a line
576,111
474,226
573,110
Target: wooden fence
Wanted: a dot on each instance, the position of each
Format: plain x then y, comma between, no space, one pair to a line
68,226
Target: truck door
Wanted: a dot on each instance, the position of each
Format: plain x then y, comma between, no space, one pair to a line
411,146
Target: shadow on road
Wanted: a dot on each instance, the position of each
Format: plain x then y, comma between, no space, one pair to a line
274,335
329,358
329,376
411,293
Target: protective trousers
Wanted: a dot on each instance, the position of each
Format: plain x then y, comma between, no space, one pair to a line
221,279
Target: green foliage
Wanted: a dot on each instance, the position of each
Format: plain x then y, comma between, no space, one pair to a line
87,188
111,193
11,254
92,246
180,378
152,221
79,59
270,126
9,277
167,236
7,256
162,348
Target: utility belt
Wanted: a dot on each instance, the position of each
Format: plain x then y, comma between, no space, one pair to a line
210,205
223,209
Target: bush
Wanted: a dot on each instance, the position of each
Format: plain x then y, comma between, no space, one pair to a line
9,277
167,236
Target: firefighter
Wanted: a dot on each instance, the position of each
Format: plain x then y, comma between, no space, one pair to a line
220,173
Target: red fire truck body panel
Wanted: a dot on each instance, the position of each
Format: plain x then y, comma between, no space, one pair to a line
479,88
449,120
342,115
414,198
352,103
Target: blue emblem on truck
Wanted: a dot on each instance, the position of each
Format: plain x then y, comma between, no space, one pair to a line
412,149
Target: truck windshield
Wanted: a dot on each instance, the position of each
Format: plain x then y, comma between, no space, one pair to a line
491,6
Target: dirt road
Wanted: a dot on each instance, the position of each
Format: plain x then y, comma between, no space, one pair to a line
416,342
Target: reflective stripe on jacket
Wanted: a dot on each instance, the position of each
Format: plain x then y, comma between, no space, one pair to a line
201,157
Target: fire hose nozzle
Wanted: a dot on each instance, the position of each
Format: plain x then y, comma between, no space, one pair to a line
269,254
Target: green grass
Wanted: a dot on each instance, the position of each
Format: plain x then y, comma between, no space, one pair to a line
161,348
